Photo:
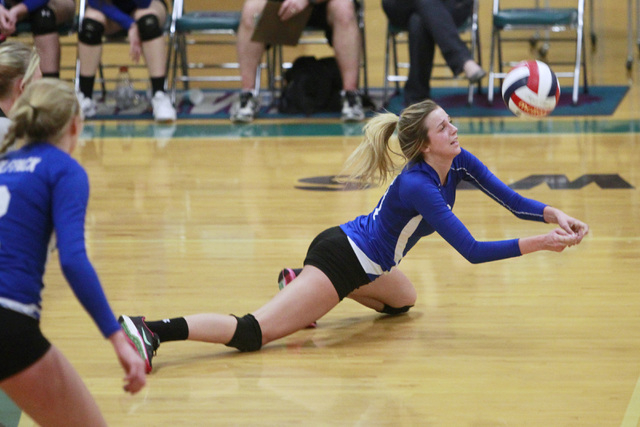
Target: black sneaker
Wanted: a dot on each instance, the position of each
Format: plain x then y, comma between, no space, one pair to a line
285,277
352,110
141,338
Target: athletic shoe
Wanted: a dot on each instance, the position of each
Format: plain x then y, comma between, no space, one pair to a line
87,105
285,277
163,110
244,108
141,338
352,110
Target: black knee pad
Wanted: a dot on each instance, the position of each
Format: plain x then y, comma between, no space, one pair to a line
149,27
393,310
43,21
91,32
248,335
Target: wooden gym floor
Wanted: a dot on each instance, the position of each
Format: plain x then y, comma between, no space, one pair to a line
204,221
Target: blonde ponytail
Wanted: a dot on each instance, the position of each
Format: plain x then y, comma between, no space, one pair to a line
42,113
373,161
17,61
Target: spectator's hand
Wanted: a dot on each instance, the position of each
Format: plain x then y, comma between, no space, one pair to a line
131,361
135,46
291,8
7,25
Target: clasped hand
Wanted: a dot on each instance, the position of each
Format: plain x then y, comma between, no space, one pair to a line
8,21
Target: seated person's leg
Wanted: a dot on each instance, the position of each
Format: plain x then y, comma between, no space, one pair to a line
341,17
421,54
249,54
93,28
150,23
44,23
345,38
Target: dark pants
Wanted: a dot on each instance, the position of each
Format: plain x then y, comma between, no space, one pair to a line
430,23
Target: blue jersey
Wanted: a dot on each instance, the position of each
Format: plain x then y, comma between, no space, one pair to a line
416,204
43,189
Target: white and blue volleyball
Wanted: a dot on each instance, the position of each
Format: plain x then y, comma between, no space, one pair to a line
531,89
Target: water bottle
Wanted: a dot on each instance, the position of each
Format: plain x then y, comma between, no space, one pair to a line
125,94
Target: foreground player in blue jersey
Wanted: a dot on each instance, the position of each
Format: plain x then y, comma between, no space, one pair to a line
359,259
42,190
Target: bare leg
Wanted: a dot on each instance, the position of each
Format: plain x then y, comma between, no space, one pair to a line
303,301
53,394
346,40
249,53
90,54
154,51
393,289
48,45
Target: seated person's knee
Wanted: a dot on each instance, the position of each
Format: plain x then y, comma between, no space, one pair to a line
149,27
249,12
91,32
341,12
43,21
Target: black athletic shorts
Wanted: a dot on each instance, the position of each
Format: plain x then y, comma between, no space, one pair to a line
21,342
331,252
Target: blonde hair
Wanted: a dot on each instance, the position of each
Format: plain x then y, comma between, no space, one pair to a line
42,113
373,160
17,61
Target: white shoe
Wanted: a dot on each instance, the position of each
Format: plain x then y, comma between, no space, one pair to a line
244,108
163,110
87,105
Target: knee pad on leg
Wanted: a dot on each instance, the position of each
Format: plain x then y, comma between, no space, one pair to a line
43,21
393,310
248,335
149,27
91,32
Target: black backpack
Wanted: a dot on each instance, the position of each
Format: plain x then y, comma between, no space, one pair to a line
311,86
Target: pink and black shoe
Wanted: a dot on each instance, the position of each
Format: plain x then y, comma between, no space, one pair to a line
285,277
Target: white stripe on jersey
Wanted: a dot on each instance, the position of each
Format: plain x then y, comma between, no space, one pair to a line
369,266
403,238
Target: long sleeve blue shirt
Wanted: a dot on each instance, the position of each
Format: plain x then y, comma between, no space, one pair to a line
416,204
43,189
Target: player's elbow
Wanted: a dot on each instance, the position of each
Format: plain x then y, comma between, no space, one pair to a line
474,257
475,260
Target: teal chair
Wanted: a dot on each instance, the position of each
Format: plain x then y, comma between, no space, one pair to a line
395,71
203,27
559,21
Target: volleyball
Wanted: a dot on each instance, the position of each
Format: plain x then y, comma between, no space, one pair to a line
531,89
